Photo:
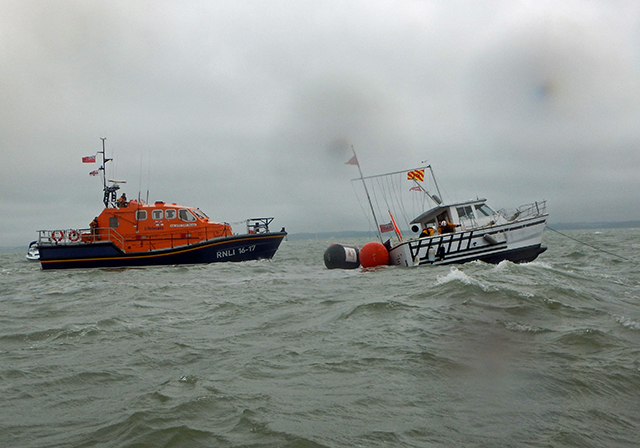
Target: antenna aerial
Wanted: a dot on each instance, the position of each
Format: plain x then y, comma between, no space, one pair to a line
109,190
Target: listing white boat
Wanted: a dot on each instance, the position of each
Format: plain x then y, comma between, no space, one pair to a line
447,233
478,233
33,253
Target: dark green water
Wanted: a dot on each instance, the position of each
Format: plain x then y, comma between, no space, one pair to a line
285,353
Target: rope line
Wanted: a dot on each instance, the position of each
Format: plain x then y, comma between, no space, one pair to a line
587,244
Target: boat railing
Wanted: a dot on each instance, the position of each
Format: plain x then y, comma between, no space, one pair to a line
68,237
532,210
258,225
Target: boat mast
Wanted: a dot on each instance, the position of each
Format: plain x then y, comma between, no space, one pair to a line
366,190
109,190
435,182
104,176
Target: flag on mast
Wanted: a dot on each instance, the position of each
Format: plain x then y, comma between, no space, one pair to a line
89,159
416,175
352,161
384,228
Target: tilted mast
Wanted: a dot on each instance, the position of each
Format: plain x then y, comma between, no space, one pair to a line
435,198
366,190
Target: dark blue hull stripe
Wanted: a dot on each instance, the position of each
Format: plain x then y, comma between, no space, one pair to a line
96,255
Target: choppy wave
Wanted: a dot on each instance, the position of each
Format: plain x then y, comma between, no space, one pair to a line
287,353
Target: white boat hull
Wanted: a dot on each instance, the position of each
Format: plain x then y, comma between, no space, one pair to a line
517,241
33,253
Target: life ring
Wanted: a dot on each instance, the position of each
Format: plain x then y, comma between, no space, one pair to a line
57,235
73,235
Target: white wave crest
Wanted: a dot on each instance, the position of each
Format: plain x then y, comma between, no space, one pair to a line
456,275
524,328
538,264
628,323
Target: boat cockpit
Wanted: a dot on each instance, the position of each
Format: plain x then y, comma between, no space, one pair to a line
456,217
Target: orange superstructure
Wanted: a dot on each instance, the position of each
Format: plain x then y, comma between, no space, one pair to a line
139,227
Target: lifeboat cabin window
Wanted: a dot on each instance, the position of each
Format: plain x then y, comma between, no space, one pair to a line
199,213
186,215
113,222
156,214
141,215
170,213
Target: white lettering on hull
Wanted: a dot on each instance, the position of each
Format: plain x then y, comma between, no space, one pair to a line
232,252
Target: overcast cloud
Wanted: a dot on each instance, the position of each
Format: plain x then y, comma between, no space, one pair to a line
248,108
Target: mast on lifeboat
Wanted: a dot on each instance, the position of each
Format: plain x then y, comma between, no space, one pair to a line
109,198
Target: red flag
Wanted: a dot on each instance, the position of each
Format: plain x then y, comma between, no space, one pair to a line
416,174
416,188
352,161
384,228
89,159
93,173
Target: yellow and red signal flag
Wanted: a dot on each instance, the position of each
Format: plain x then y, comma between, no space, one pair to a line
415,175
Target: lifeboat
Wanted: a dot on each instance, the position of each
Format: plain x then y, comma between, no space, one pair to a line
134,233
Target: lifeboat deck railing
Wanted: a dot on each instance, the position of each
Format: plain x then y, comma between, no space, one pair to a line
258,225
161,240
74,237
78,237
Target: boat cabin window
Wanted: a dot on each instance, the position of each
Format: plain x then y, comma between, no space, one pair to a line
186,215
199,213
141,215
170,213
156,214
484,210
465,212
113,222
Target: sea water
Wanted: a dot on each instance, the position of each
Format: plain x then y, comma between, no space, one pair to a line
286,353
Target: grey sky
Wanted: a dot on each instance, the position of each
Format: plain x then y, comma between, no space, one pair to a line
243,108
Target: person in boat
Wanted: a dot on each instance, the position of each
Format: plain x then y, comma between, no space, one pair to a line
94,229
427,231
122,202
447,227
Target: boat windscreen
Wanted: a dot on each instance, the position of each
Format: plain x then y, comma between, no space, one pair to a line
484,210
186,215
199,213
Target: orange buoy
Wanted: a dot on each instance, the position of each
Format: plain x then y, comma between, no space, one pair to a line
373,254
